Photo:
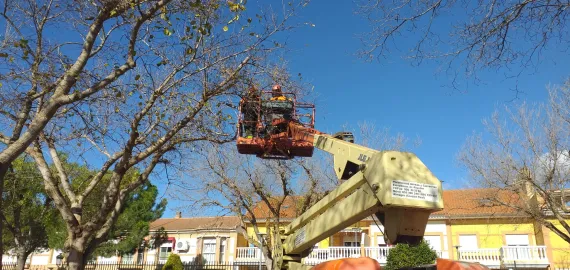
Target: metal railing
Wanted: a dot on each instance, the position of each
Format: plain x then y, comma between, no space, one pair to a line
343,252
506,255
493,257
378,253
486,256
249,254
524,254
150,266
318,255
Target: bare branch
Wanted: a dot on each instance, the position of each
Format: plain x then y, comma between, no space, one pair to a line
51,185
526,156
482,37
60,170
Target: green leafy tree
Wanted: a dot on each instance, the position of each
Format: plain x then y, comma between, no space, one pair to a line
132,225
32,222
26,211
404,255
173,263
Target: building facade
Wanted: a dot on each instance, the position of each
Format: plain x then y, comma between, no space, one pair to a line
467,230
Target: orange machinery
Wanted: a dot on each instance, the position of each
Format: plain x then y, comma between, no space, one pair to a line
270,122
394,186
371,264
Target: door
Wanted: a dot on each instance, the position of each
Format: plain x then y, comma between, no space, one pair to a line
516,244
223,242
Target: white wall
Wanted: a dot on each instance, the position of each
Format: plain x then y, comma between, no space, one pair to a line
36,258
113,259
40,259
187,258
8,259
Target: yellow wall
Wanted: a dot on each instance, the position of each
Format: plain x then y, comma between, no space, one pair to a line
490,233
558,248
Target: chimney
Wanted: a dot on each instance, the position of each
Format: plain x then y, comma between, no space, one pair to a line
178,215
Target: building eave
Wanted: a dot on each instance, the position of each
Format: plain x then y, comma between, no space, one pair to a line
234,229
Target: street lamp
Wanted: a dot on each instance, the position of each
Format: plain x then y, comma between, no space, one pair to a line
457,248
59,260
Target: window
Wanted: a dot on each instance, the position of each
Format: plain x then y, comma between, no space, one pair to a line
223,249
262,236
164,252
209,250
380,241
517,239
434,241
468,241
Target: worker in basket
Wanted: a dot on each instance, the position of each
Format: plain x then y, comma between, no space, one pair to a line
250,109
278,107
277,94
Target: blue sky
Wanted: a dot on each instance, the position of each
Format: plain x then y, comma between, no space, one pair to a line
398,95
395,94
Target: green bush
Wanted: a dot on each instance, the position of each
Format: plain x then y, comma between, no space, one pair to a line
404,255
173,263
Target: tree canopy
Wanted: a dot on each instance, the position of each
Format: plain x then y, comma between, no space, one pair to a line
524,151
32,221
26,212
131,84
408,256
140,209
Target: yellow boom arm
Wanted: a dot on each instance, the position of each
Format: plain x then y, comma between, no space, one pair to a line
395,186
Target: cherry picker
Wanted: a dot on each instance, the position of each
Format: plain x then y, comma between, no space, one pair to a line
394,186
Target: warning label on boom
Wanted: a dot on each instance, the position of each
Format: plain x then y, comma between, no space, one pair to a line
415,191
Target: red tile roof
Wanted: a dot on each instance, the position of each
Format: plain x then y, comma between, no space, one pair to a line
195,223
478,202
457,203
290,208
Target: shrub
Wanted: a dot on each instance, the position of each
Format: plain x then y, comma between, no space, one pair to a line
173,263
404,255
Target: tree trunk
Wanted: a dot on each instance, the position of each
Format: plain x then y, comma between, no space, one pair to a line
21,256
268,263
75,260
3,170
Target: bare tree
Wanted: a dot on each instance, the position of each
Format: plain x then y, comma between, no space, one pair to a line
263,193
525,155
466,35
266,193
163,76
44,71
380,139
